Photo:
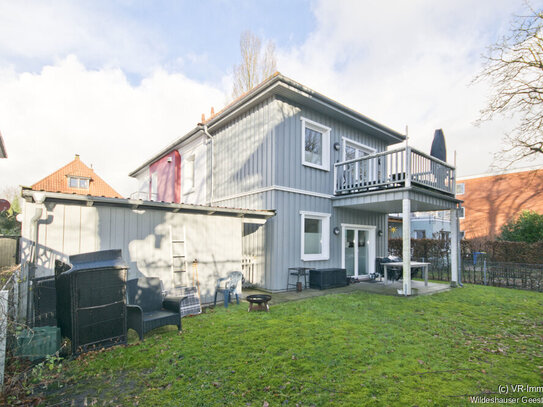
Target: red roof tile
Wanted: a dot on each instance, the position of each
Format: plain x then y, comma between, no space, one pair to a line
58,181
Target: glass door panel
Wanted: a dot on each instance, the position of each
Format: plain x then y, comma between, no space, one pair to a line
362,252
350,252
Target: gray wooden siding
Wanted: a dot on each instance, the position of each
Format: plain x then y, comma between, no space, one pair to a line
289,170
282,241
143,237
243,151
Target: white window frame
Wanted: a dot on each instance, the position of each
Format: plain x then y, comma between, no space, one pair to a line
325,131
367,149
325,242
191,159
462,213
463,188
79,180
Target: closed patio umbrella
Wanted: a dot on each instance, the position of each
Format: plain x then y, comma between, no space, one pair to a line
439,150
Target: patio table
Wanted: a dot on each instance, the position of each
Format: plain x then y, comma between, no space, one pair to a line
414,264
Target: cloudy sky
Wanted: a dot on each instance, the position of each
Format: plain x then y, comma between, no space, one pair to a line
115,81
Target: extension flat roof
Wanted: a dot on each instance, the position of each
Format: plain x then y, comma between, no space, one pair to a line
90,200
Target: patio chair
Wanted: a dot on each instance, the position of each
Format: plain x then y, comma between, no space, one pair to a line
148,309
228,286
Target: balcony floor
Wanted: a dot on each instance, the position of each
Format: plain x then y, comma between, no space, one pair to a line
390,200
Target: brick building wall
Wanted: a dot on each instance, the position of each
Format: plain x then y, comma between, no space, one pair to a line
491,200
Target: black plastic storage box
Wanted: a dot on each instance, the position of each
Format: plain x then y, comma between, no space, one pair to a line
327,278
91,300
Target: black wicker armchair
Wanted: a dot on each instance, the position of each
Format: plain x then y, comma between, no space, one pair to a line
148,309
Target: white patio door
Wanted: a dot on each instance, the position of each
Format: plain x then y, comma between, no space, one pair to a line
358,247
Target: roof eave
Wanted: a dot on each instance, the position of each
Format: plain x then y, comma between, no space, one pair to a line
90,200
166,150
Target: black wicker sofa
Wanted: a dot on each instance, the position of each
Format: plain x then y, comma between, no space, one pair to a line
147,307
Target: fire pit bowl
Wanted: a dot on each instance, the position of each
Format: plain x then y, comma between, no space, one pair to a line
259,301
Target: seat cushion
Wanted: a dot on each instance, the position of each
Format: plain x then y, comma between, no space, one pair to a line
155,319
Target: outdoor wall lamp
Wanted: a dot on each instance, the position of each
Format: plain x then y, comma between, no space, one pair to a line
336,146
336,231
380,233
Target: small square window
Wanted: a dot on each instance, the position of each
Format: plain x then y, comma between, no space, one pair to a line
315,236
315,145
460,189
79,183
462,213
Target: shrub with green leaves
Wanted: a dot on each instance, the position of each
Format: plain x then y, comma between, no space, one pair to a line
527,227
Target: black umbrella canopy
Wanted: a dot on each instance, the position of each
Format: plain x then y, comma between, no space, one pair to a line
439,150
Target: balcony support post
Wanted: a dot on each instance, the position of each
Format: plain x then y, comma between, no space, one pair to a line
455,247
406,245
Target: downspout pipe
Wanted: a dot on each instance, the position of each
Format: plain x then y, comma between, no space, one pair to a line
34,222
210,138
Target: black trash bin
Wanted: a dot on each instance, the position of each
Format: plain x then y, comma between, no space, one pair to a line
91,300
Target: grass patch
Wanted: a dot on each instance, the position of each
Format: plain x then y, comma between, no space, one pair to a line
344,349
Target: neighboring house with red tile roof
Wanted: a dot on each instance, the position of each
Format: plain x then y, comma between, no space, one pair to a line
76,178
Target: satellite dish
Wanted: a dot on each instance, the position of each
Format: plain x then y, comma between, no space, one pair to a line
4,205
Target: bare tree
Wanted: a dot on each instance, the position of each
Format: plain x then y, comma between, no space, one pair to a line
514,68
253,68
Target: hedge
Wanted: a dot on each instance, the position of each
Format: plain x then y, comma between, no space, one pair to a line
497,251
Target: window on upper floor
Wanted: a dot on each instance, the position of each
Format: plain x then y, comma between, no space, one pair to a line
188,174
154,187
460,189
78,182
315,145
462,213
315,236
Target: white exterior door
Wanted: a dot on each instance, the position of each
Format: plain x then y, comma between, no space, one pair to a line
358,250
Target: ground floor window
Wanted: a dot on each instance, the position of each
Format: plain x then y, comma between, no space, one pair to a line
315,236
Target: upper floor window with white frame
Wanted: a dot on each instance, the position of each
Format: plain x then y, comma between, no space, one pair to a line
462,213
460,189
315,236
315,145
188,174
78,182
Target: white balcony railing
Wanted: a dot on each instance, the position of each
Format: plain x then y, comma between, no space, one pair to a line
401,167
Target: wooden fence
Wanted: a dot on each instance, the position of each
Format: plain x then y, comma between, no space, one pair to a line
9,251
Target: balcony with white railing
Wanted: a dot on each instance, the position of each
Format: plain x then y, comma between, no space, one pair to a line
404,167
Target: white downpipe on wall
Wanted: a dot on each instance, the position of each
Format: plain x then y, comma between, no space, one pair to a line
454,247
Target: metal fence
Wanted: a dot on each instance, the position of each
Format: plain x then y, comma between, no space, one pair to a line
8,312
477,270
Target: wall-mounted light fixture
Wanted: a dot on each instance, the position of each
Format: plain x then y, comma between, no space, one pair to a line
380,233
169,159
337,146
336,231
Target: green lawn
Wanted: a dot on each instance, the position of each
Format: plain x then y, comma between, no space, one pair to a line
344,349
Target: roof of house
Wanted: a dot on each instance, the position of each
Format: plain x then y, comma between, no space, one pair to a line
278,84
501,172
58,181
139,204
3,152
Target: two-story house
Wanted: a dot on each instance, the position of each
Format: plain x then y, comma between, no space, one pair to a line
325,168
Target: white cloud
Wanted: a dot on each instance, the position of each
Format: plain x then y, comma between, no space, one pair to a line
65,109
41,31
408,63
